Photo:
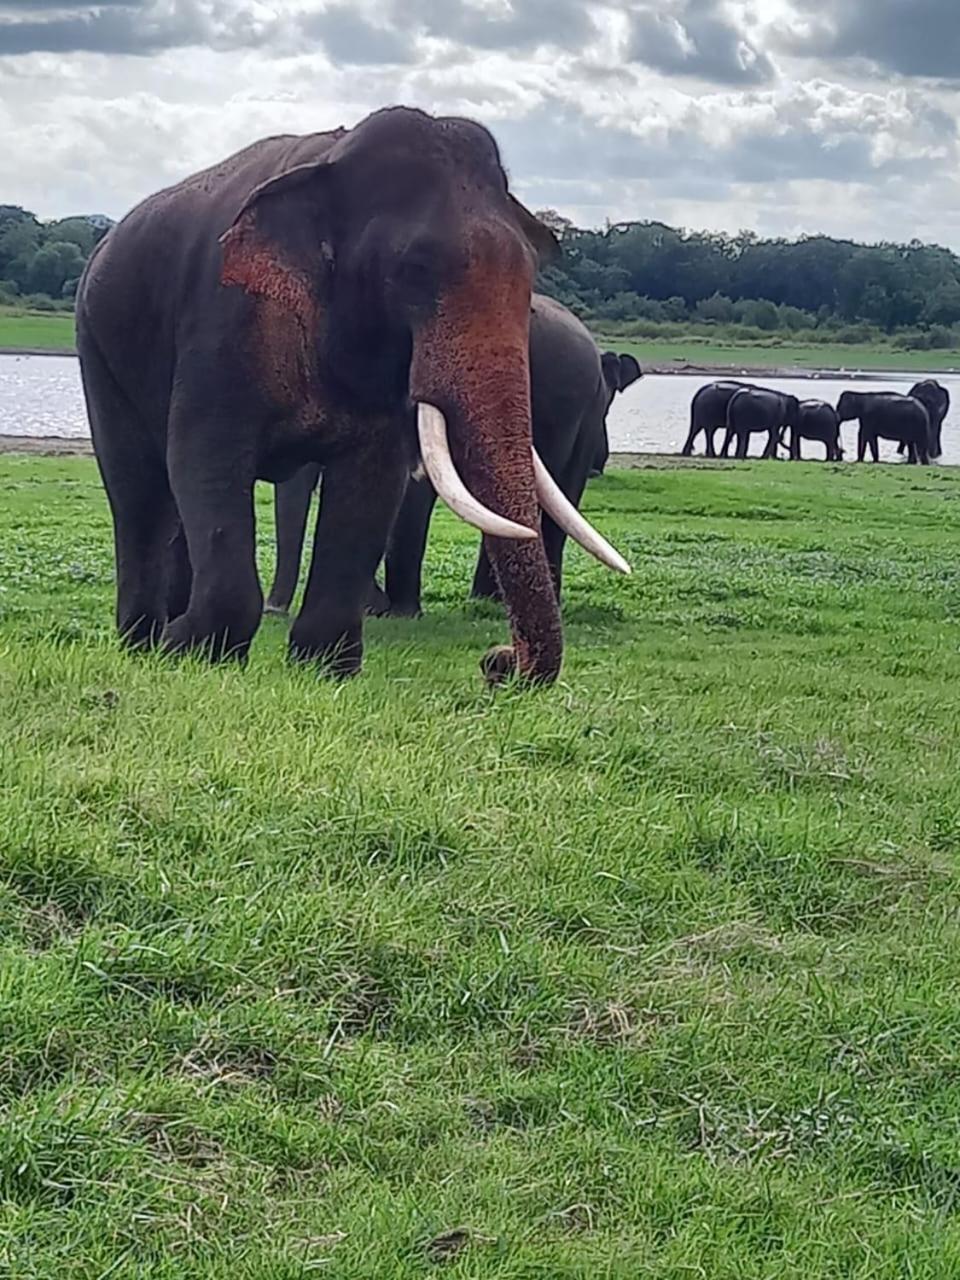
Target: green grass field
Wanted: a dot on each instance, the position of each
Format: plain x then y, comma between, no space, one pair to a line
56,332
699,352
654,974
36,330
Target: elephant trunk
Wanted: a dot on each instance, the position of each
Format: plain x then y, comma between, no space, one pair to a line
471,362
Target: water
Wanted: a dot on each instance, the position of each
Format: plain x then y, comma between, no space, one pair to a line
653,416
40,396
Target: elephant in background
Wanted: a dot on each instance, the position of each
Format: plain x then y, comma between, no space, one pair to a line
887,415
936,400
756,409
816,420
708,413
286,307
572,388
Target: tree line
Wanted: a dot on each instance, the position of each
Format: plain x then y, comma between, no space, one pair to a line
644,278
647,274
41,262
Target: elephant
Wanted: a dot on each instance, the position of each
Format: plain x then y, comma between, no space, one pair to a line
936,400
817,420
759,409
708,413
887,415
286,306
572,388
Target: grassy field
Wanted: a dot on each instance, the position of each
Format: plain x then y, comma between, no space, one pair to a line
56,332
654,974
699,352
36,330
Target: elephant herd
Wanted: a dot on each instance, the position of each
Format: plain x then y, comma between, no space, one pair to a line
359,305
914,421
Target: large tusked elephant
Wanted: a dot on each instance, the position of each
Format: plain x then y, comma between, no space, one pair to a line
285,307
755,409
887,415
816,420
572,388
708,413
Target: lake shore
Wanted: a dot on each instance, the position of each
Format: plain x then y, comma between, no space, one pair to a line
666,368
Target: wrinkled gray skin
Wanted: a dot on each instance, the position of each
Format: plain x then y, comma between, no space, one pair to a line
887,415
817,421
572,388
756,409
936,400
708,413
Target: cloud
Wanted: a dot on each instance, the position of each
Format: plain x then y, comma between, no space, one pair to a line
134,27
350,39
697,38
726,113
911,37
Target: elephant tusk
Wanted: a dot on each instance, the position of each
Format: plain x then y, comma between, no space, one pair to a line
438,464
565,514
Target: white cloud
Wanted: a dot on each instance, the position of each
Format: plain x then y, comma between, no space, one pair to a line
749,130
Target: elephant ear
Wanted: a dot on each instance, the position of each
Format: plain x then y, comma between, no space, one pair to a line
539,235
611,371
630,371
279,236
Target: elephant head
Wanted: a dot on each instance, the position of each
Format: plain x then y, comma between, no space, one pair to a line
849,406
417,264
619,372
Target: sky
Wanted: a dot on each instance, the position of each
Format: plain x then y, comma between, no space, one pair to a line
786,117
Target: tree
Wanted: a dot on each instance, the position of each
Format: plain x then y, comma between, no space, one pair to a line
52,266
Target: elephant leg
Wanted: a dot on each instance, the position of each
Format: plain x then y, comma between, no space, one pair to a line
145,519
861,445
687,450
149,568
771,450
743,439
874,447
180,580
378,602
727,442
484,586
361,496
291,504
214,492
796,454
710,434
407,548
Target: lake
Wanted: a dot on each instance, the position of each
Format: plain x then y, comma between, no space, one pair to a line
40,396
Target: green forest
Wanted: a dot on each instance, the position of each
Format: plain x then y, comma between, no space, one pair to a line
648,280
638,280
41,262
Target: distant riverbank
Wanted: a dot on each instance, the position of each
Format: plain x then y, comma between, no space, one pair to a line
43,334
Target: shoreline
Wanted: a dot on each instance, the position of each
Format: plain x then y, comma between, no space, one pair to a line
665,369
80,447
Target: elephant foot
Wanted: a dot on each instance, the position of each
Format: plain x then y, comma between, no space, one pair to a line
222,644
337,652
378,602
500,665
404,611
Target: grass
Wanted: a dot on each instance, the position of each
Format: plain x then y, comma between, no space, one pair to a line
651,975
35,330
700,351
27,330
